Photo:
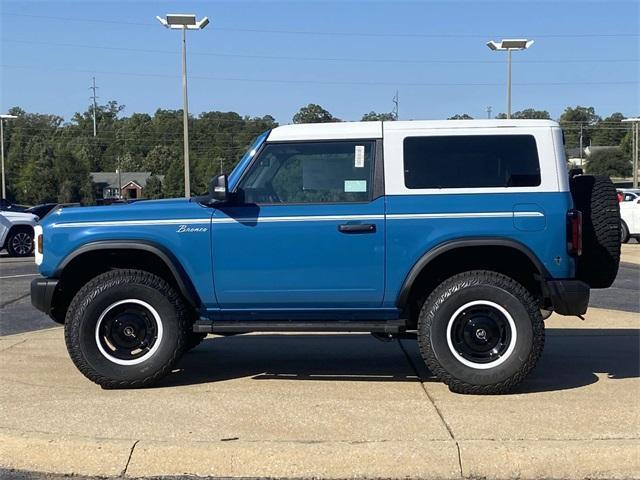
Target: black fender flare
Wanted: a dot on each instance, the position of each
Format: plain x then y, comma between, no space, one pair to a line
429,256
169,259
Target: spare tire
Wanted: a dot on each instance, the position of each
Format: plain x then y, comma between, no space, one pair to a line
596,198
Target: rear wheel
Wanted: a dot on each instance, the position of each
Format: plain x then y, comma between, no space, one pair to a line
480,332
126,328
596,198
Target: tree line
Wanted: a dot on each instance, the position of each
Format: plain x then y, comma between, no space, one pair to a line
49,160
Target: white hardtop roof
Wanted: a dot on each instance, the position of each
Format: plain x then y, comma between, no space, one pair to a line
363,130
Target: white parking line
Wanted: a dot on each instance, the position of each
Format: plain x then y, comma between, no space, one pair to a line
24,275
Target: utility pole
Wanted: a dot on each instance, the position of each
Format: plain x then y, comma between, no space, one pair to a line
635,144
396,102
2,119
93,87
489,112
581,162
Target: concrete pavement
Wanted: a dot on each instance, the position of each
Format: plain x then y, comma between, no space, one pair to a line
330,406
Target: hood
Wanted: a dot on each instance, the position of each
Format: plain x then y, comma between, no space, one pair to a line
166,209
18,216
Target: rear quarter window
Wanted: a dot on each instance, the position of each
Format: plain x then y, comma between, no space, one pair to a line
471,161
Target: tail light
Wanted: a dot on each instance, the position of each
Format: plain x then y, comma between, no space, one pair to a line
574,232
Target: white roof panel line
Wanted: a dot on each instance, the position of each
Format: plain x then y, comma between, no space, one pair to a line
326,131
364,130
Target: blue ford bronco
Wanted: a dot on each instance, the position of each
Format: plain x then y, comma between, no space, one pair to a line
463,234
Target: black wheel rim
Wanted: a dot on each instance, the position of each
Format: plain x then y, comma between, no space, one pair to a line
22,243
127,332
480,334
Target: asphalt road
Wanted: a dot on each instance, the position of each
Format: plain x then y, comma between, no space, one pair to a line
17,315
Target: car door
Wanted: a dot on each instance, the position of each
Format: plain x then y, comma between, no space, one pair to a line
306,230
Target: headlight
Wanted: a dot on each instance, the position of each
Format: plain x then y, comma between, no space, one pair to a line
39,240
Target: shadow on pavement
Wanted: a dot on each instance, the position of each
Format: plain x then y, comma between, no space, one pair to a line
346,357
572,358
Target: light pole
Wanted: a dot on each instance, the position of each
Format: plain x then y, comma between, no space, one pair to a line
2,119
635,126
184,22
509,45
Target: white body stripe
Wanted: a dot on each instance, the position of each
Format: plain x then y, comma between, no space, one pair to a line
299,218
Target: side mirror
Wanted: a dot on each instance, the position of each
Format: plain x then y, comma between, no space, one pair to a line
219,188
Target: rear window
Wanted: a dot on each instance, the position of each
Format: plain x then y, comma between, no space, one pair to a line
471,161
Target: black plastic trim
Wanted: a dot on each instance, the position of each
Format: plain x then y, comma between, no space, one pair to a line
42,290
568,297
432,254
209,326
378,171
172,263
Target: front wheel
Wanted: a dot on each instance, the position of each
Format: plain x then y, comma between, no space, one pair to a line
480,332
20,242
126,329
624,233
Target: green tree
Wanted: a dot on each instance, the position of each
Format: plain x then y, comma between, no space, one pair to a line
313,113
610,131
527,113
173,185
575,118
374,116
153,189
610,162
459,116
36,183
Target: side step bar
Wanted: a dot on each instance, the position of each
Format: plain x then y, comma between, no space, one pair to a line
213,326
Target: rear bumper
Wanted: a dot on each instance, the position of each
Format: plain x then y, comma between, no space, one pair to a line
42,293
568,297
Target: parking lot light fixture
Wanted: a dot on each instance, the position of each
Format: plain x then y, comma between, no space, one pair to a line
509,45
184,22
3,117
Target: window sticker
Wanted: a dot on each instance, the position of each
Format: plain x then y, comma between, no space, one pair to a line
359,156
355,186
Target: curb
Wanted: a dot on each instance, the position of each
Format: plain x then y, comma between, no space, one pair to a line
448,459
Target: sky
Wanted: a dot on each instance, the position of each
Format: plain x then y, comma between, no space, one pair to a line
267,57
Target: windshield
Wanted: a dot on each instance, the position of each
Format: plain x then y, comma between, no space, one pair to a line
246,158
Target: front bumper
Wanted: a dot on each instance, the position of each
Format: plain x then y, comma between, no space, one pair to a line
568,297
42,290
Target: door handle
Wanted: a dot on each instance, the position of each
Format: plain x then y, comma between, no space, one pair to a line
357,228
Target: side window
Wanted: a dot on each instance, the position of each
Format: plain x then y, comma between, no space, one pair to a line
471,161
311,172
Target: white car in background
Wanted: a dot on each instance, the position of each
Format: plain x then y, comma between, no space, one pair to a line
629,195
16,233
630,219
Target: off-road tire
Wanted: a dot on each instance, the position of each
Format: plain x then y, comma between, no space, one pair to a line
15,234
193,340
624,232
96,296
459,290
596,198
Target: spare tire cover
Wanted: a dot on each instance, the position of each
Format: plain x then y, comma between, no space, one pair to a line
595,197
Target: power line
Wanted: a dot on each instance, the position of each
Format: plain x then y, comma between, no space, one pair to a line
319,59
339,33
332,82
